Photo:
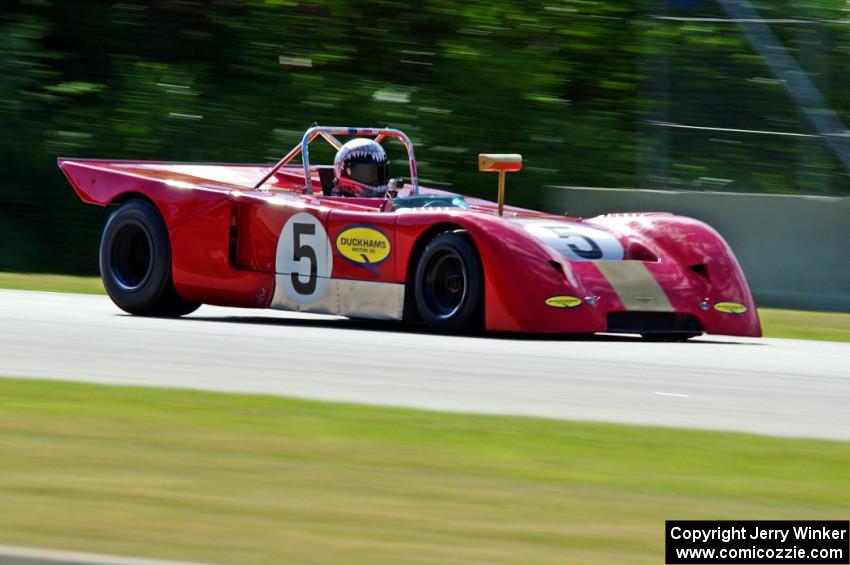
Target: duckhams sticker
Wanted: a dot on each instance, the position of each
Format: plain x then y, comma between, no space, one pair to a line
730,308
364,245
563,301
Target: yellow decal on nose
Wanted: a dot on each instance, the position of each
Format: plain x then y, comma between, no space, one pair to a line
563,301
730,308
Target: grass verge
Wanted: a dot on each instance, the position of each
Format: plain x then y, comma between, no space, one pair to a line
51,283
252,479
798,324
829,326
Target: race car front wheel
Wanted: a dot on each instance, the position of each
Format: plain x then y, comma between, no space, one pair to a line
449,284
135,262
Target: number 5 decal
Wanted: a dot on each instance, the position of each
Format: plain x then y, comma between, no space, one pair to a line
304,260
591,253
576,242
302,251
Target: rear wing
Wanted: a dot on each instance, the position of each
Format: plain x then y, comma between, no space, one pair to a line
179,190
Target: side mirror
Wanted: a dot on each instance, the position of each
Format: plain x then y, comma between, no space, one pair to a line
500,163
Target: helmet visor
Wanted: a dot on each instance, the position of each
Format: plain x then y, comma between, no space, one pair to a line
372,174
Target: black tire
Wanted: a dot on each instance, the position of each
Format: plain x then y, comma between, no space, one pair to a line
135,262
449,284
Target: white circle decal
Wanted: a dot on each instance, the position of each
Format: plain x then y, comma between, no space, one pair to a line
575,242
304,260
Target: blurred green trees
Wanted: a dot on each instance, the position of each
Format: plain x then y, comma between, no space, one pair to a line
574,85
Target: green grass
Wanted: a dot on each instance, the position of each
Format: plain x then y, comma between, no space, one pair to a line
830,326
51,283
252,479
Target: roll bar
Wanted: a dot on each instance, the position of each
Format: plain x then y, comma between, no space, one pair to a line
328,133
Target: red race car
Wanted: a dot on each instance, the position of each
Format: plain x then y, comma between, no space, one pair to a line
346,239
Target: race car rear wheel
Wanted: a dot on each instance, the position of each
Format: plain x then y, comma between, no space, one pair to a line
449,284
135,262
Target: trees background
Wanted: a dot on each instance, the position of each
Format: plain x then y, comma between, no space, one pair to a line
576,86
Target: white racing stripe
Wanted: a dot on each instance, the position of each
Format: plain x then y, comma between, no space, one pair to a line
15,555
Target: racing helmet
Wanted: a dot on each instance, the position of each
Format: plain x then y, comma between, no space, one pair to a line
361,168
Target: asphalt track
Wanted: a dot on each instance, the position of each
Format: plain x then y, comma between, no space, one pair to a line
765,386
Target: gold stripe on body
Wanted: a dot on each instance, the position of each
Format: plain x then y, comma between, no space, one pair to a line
635,286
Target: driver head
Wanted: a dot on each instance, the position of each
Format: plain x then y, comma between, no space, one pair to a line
361,168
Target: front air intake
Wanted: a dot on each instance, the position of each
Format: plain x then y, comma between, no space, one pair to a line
652,322
636,251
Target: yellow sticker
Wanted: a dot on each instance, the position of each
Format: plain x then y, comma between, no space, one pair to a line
363,245
730,308
563,301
